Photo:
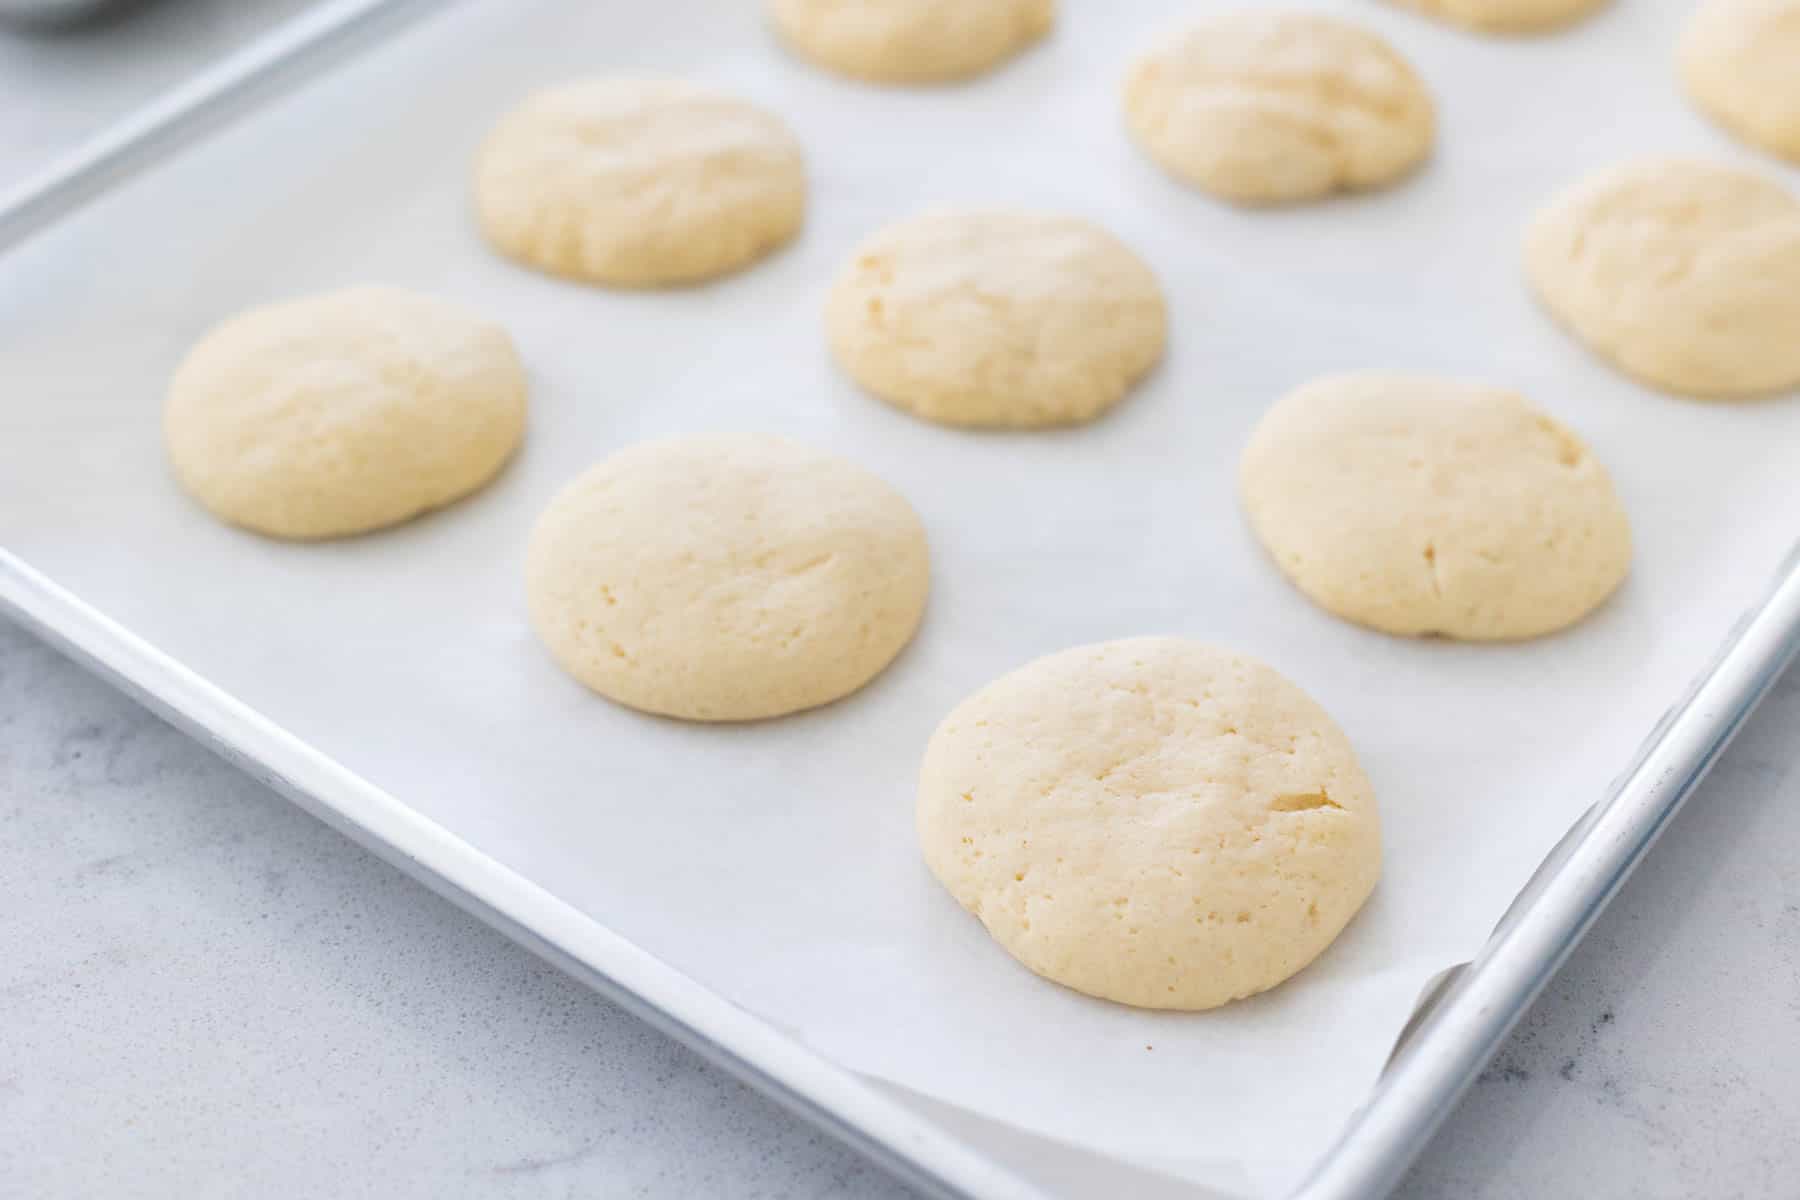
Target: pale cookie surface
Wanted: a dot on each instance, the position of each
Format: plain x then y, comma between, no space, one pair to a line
343,412
1740,62
1683,274
1267,107
997,319
910,41
726,577
1418,505
1154,821
639,182
1506,16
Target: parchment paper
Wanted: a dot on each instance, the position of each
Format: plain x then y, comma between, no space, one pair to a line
776,862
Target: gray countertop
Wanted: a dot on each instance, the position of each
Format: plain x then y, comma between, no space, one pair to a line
205,992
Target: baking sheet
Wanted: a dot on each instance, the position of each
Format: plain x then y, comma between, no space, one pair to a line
776,862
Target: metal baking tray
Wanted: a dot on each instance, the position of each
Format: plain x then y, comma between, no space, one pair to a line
72,580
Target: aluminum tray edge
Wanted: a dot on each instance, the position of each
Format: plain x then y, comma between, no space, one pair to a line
730,1037
1468,1017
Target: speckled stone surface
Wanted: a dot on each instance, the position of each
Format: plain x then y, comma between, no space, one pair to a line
204,992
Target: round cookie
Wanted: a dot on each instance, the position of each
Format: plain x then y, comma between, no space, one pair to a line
1418,505
726,577
1683,274
997,319
1740,62
1506,16
639,182
343,412
910,41
1154,821
1264,107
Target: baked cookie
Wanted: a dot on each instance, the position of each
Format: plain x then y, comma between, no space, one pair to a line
1418,505
343,412
1155,821
910,41
639,182
997,318
1683,274
1740,62
726,577
1261,107
1506,16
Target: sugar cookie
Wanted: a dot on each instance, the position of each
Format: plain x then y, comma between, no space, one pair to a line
1682,274
1740,62
1506,16
910,41
1264,107
1420,505
639,182
1008,319
726,577
343,412
1154,821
